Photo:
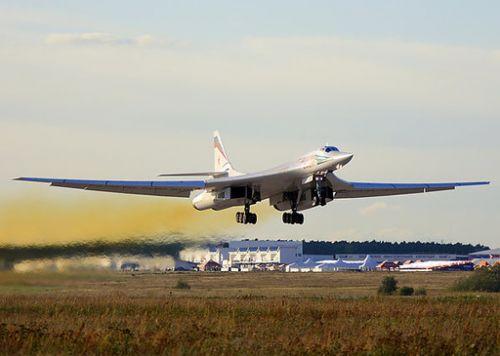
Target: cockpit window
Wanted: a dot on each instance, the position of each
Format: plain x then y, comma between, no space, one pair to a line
330,149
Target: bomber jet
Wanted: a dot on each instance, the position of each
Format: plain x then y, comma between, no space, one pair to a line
305,183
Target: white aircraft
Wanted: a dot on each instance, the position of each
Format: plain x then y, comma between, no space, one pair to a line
302,184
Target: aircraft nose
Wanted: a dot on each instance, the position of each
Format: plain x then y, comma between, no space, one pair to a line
344,157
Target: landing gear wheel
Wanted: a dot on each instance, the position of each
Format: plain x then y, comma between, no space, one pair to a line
293,218
246,218
319,191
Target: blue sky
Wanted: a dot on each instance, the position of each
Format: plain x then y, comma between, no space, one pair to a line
125,89
450,22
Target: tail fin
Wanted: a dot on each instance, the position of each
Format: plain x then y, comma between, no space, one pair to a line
222,163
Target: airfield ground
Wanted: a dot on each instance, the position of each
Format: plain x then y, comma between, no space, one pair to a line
249,313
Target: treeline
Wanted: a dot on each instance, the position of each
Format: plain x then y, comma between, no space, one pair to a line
379,247
141,247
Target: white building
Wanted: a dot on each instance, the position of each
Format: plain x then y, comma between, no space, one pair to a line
488,257
305,266
403,257
263,254
437,266
337,265
254,252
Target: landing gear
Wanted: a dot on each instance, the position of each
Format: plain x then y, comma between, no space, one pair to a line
320,191
293,218
246,217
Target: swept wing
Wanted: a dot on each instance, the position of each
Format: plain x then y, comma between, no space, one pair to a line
180,188
346,189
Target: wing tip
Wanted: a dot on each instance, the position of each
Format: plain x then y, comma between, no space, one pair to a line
33,179
22,178
478,183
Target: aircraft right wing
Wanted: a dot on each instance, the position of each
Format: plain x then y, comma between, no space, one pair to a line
180,189
345,189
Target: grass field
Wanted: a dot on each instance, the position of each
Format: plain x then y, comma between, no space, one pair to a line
248,313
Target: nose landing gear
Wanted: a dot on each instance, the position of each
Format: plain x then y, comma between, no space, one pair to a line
246,217
319,197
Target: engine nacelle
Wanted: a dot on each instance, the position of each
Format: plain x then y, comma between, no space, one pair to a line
204,200
223,199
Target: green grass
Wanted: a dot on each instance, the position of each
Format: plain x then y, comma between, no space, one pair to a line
485,279
247,313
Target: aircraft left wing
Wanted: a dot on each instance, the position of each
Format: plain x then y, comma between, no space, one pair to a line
178,188
345,189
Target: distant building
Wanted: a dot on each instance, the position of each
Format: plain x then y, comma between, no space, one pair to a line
490,254
180,265
387,266
489,257
438,266
247,253
404,257
251,255
481,264
210,266
337,265
486,254
369,264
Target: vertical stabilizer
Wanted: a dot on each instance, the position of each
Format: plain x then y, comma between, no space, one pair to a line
222,163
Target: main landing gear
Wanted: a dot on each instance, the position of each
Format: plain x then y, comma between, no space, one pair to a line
293,218
246,217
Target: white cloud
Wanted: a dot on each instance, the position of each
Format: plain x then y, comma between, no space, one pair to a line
100,38
329,72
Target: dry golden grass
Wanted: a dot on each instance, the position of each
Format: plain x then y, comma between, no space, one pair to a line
249,313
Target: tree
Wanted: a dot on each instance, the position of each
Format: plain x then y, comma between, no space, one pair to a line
406,290
182,285
484,280
388,286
